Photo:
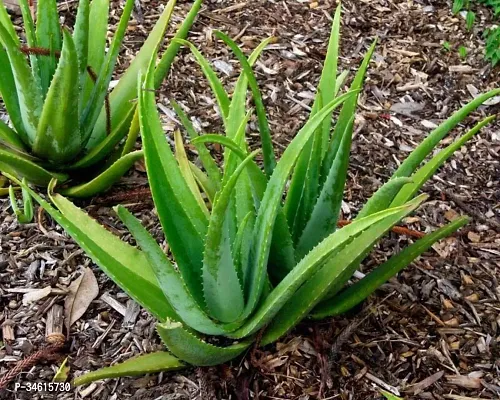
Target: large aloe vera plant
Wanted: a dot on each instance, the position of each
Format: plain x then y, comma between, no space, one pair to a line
248,263
54,86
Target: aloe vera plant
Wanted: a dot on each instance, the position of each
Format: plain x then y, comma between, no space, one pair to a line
63,123
247,261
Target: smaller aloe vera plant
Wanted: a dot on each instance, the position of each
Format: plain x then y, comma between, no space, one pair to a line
250,264
63,123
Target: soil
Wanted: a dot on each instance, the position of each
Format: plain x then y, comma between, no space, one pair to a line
432,332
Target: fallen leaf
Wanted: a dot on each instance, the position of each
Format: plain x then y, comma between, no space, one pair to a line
81,293
62,373
36,294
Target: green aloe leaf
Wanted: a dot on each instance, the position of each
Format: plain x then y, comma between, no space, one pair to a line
382,198
124,264
265,133
347,113
306,268
48,35
22,167
166,60
169,279
8,92
180,154
206,159
99,14
270,205
425,172
334,273
28,91
214,82
29,29
136,366
425,148
105,179
356,293
325,213
189,348
205,183
81,40
58,135
327,88
7,23
184,222
108,144
9,136
126,90
221,286
93,108
304,185
25,215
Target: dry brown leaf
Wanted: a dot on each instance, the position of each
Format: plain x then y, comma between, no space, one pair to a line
81,293
36,294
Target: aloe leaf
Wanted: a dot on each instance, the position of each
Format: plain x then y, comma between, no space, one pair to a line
325,213
335,272
124,264
183,221
237,120
10,137
265,133
94,106
306,268
28,92
105,179
304,184
282,258
21,167
126,90
189,348
271,201
347,113
81,40
258,179
136,366
25,215
99,14
303,190
425,172
166,60
102,150
48,35
383,197
359,291
180,154
340,81
215,84
206,159
205,183
327,87
169,279
58,135
221,286
8,92
6,22
241,246
29,29
430,142
133,134
237,109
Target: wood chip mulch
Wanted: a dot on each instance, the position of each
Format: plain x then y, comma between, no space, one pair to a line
430,333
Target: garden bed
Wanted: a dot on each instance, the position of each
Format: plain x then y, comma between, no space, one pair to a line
432,333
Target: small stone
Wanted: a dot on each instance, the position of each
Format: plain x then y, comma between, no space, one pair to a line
474,237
